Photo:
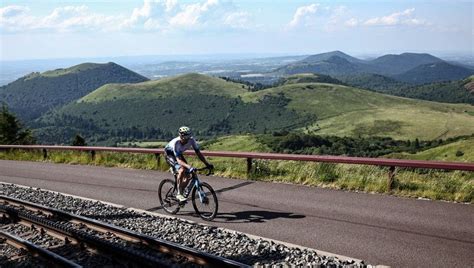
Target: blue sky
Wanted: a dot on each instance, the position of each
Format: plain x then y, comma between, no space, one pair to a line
63,29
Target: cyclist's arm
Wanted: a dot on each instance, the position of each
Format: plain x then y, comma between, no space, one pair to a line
201,157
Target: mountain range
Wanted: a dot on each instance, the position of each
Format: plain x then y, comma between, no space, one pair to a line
413,68
110,104
115,113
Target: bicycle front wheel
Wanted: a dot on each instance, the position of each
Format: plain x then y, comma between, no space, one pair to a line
205,201
167,196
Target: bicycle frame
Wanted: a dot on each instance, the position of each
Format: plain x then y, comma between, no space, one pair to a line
197,183
203,197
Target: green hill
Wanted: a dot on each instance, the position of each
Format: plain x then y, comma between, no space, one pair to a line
155,109
334,65
458,91
337,63
434,72
375,82
309,78
215,107
183,85
327,55
392,64
346,111
34,94
460,151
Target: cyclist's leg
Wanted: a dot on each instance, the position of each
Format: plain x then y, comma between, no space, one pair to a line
172,161
182,177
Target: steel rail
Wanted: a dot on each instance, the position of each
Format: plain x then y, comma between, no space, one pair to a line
47,255
127,255
162,246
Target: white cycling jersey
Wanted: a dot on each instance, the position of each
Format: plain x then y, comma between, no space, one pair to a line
178,148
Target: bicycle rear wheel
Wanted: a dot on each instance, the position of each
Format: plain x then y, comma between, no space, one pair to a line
167,196
205,201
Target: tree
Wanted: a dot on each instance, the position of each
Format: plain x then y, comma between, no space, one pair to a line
417,144
11,130
79,141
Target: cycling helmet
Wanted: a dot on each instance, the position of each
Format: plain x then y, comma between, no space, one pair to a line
184,131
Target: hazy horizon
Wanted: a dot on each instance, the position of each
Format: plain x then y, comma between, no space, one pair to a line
236,56
42,30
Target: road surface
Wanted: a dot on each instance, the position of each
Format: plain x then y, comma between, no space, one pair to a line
380,229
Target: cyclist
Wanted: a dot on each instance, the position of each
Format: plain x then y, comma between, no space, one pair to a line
174,157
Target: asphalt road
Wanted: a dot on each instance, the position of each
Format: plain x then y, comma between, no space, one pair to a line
380,229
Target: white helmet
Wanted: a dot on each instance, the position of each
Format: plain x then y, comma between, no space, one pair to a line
184,131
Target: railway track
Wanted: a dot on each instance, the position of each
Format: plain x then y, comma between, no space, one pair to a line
66,240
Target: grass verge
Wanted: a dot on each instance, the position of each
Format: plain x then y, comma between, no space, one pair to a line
419,183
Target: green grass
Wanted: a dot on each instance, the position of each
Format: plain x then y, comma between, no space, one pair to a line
460,151
217,107
242,143
346,111
309,78
402,122
433,184
71,70
107,159
143,144
188,84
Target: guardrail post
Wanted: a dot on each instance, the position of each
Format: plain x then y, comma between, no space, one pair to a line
158,159
249,165
391,178
93,155
45,154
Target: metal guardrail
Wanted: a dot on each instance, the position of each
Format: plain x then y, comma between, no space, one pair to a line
391,163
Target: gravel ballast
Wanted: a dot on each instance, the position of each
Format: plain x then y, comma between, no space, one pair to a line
237,246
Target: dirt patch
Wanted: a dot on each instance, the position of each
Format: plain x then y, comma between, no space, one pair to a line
470,87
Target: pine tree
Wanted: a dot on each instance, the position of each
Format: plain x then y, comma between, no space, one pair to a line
11,130
79,141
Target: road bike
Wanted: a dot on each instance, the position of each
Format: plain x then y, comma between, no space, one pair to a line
202,195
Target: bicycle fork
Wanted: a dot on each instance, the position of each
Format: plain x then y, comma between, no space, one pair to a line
201,193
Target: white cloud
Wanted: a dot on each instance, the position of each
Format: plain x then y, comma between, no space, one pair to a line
152,15
14,18
337,14
71,18
398,18
237,20
68,18
192,14
352,22
303,15
12,11
170,5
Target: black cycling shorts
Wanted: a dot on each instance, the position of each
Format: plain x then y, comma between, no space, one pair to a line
172,161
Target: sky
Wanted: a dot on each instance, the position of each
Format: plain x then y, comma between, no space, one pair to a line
44,29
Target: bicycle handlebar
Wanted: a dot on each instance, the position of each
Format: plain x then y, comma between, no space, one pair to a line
210,170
